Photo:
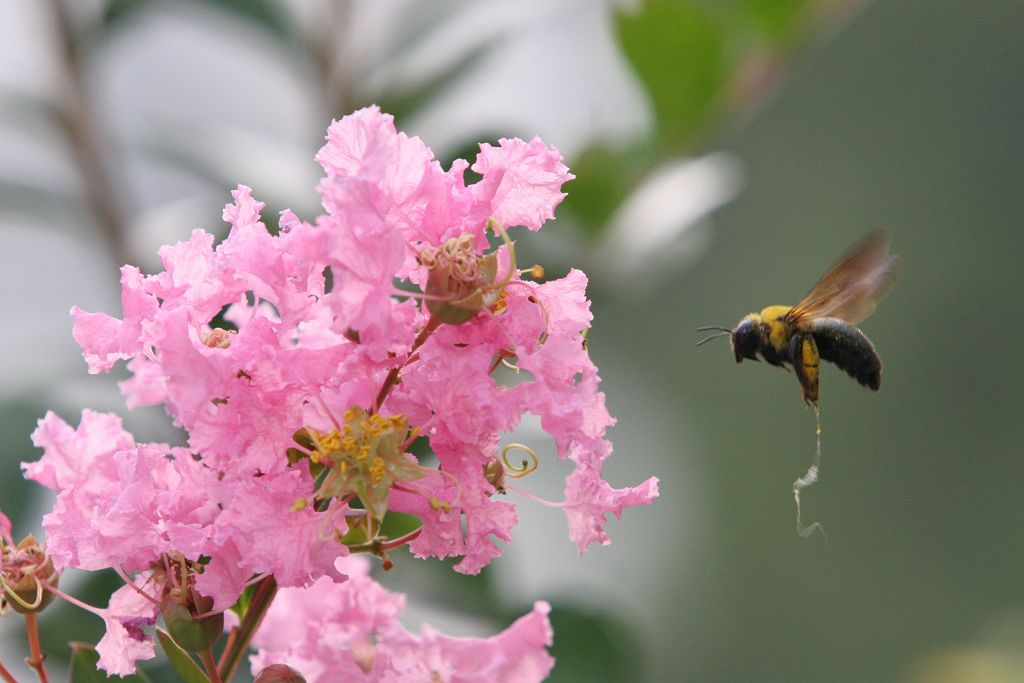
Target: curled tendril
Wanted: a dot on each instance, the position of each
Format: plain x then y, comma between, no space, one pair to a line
11,594
527,466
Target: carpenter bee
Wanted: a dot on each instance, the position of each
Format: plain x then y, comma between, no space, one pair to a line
823,324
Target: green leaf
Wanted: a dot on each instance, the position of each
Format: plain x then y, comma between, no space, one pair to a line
184,665
603,180
244,600
116,12
36,200
263,13
399,524
695,57
781,20
592,646
83,669
679,51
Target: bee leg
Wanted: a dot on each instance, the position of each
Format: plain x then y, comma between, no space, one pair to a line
804,357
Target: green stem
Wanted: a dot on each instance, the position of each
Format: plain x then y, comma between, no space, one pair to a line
206,656
238,641
379,547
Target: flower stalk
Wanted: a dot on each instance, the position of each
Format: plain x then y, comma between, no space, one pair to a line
6,675
36,660
241,635
392,377
206,657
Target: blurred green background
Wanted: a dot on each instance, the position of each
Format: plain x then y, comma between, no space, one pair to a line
726,154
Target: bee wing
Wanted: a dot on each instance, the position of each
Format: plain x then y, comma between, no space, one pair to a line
852,288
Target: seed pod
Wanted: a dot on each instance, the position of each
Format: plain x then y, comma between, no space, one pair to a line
194,635
279,673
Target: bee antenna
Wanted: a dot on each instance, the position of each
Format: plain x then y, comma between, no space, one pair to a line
723,333
714,327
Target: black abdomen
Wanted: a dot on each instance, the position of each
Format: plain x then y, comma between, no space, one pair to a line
841,343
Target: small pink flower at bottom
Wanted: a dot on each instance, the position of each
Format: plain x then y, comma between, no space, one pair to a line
125,642
351,631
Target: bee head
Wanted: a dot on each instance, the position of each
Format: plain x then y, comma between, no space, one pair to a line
744,339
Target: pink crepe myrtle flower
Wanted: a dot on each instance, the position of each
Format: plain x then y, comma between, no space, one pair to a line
5,528
127,618
351,631
120,504
125,642
297,353
127,505
304,363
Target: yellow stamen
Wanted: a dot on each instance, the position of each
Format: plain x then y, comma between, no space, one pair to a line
377,471
329,442
438,504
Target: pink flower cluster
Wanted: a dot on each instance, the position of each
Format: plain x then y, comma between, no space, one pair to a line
336,344
350,632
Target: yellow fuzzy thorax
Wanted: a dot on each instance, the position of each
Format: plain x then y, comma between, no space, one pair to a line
779,329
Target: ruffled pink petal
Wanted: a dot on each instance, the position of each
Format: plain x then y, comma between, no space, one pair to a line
522,181
105,339
70,456
351,631
124,642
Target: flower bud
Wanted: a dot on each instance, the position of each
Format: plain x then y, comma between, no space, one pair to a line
460,282
217,338
494,473
279,673
25,567
194,635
